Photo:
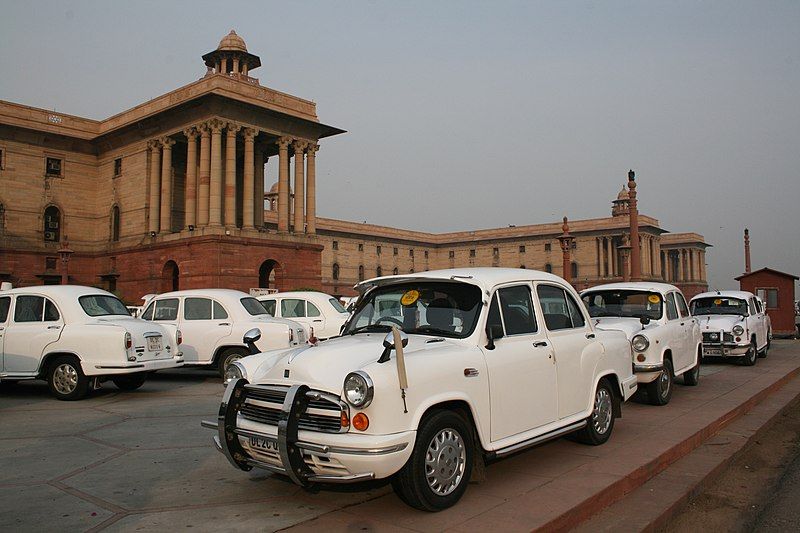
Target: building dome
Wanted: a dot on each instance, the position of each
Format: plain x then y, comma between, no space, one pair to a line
623,194
232,42
274,188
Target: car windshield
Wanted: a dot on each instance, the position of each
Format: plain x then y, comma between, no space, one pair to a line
103,305
253,306
440,308
337,305
719,305
624,303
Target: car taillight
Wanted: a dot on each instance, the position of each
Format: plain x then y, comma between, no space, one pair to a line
179,337
128,341
291,335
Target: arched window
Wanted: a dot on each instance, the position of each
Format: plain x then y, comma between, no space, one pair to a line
335,272
115,223
52,224
170,277
267,274
548,268
395,271
379,272
574,269
360,272
522,266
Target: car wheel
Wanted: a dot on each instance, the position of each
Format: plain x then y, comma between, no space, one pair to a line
659,391
130,381
764,353
600,423
66,379
438,471
692,376
752,354
229,356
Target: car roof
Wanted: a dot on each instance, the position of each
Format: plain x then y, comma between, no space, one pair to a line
742,295
57,291
208,293
651,286
295,294
484,277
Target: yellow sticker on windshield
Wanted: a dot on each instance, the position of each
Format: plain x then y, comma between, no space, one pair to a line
717,302
654,298
410,297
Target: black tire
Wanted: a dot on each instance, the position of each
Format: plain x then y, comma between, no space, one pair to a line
600,423
659,391
229,356
412,483
130,381
765,351
65,378
752,355
692,376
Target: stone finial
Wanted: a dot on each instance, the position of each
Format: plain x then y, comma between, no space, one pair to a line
565,226
631,180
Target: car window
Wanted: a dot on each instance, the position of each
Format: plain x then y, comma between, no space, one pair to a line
220,312
50,311
493,318
575,313
517,309
197,309
5,304
29,309
682,308
291,308
269,306
166,309
148,313
672,311
554,306
337,305
252,306
753,309
102,305
312,309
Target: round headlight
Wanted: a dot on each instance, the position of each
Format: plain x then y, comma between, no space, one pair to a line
640,343
235,371
358,389
737,330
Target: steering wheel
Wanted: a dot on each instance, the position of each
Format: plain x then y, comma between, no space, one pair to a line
389,319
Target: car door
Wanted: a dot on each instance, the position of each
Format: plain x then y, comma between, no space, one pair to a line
687,324
318,321
36,323
522,375
757,320
204,324
575,348
295,309
5,307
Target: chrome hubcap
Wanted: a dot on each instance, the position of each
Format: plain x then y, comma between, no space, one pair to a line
665,383
65,378
601,416
445,461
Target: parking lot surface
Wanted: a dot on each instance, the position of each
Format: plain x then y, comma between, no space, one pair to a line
139,461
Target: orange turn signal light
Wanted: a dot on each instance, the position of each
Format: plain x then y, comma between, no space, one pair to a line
361,422
640,358
345,420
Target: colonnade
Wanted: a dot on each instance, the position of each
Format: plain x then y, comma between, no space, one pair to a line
220,192
609,264
683,264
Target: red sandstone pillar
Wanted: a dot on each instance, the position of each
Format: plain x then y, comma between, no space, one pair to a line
636,258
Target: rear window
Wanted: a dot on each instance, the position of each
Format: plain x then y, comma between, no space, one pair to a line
253,306
102,305
337,305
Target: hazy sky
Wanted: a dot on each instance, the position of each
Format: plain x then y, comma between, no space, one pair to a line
466,115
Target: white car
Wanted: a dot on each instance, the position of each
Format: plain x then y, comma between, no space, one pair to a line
665,338
320,312
77,337
734,324
434,372
213,322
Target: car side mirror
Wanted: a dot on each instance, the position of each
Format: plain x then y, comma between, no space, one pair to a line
493,332
250,338
388,345
644,320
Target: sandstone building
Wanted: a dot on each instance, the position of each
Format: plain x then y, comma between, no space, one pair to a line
173,194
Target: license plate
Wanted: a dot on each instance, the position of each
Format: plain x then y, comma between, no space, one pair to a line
154,344
264,444
712,351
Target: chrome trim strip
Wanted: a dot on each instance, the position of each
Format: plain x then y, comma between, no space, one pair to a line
147,334
208,424
368,451
654,367
352,478
540,439
124,367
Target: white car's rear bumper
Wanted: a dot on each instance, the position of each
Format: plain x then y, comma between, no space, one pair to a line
130,367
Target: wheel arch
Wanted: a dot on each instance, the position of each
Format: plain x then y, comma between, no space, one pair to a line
50,356
458,404
224,348
616,392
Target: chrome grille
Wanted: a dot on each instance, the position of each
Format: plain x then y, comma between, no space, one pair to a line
263,404
713,336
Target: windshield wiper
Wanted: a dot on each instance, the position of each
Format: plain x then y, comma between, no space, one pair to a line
369,327
433,331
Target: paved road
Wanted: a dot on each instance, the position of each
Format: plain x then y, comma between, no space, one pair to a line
782,513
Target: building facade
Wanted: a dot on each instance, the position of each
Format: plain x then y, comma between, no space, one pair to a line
172,194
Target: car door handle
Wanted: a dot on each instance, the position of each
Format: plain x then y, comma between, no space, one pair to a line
683,323
539,344
590,335
224,324
318,321
53,327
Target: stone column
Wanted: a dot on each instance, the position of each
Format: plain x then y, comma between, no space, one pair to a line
155,184
283,184
258,199
299,194
235,65
612,259
598,248
636,254
311,188
190,204
205,176
249,178
166,185
215,192
230,174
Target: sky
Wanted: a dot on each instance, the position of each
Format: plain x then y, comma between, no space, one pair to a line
465,115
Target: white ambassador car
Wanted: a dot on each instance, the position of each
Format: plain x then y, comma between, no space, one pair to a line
320,312
665,338
434,372
77,337
733,324
213,322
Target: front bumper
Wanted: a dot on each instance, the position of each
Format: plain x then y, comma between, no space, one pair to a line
306,457
647,372
725,349
175,361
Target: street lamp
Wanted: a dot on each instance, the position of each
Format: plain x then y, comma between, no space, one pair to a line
65,252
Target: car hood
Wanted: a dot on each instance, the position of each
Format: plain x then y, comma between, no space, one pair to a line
719,322
325,366
629,326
